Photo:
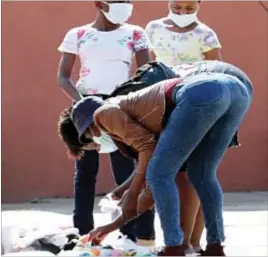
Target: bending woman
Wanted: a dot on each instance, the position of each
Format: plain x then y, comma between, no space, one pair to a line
164,125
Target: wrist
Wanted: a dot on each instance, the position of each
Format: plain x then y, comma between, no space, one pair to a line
119,222
135,188
127,218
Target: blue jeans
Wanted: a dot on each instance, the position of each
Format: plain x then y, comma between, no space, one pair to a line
84,194
209,109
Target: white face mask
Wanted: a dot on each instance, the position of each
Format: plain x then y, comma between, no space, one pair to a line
118,12
183,20
106,143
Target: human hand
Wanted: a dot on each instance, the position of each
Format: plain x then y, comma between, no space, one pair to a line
116,194
96,235
145,201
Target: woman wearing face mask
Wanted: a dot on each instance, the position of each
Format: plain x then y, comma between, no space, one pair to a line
181,37
105,48
152,126
177,39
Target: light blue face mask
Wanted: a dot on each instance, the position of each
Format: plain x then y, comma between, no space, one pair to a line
106,143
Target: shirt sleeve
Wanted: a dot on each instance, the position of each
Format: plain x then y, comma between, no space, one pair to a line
140,40
70,42
149,30
120,126
210,41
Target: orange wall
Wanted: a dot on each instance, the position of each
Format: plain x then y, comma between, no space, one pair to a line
34,163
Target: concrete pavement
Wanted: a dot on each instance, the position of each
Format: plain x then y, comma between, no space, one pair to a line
245,218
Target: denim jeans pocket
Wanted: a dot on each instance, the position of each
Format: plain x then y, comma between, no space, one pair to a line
204,92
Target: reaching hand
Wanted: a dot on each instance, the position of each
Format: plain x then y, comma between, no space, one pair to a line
145,201
96,235
116,194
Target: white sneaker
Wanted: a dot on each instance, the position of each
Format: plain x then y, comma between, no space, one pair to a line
126,244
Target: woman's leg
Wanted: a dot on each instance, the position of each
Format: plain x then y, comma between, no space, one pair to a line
199,104
189,204
191,214
199,226
84,191
204,161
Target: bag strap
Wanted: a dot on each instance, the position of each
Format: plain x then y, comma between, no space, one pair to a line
138,75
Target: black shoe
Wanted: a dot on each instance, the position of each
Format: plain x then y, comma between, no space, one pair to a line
172,251
213,250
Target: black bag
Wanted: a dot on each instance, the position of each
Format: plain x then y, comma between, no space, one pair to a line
146,75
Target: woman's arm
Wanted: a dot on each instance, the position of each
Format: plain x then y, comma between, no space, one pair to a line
64,76
142,57
118,192
141,47
214,54
153,55
150,31
118,124
99,233
69,51
145,203
211,46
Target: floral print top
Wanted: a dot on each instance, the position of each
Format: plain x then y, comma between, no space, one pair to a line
105,56
175,48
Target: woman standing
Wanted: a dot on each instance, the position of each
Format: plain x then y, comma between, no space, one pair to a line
103,67
181,37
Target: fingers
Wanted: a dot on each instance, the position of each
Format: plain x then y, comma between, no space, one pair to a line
109,196
96,235
92,237
99,237
84,239
96,241
145,201
112,196
115,197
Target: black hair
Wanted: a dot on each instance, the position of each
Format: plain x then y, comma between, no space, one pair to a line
69,135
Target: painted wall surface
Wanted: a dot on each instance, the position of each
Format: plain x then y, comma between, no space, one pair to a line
34,163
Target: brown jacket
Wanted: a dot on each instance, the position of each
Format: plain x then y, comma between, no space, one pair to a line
135,119
134,122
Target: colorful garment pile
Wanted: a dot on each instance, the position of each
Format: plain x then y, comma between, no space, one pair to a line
89,250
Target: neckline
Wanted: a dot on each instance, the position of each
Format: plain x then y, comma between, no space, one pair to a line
110,31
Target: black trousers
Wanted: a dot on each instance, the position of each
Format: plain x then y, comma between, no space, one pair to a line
84,194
